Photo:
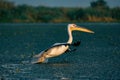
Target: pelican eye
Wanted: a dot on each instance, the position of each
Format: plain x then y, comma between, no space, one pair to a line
74,25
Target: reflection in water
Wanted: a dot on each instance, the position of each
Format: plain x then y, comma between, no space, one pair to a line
62,71
14,71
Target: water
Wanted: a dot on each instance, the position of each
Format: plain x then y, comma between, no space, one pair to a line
97,58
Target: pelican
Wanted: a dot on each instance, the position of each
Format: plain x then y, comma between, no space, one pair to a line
59,48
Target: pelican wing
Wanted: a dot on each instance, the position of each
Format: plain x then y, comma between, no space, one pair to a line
76,43
57,45
48,50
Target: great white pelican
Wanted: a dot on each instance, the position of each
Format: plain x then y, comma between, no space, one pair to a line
59,48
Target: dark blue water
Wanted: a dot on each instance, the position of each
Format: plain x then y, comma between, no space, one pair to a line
97,58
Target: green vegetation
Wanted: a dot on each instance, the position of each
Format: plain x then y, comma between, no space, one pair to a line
99,11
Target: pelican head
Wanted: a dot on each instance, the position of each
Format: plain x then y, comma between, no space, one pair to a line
73,27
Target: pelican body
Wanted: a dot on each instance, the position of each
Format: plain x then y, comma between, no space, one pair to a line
58,48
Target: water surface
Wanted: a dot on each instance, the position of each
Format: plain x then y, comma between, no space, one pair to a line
97,58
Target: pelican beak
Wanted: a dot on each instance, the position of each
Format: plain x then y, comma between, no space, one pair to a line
82,29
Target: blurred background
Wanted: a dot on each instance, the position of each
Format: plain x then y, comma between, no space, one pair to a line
54,11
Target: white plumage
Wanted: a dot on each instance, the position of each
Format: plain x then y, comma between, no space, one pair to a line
58,48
